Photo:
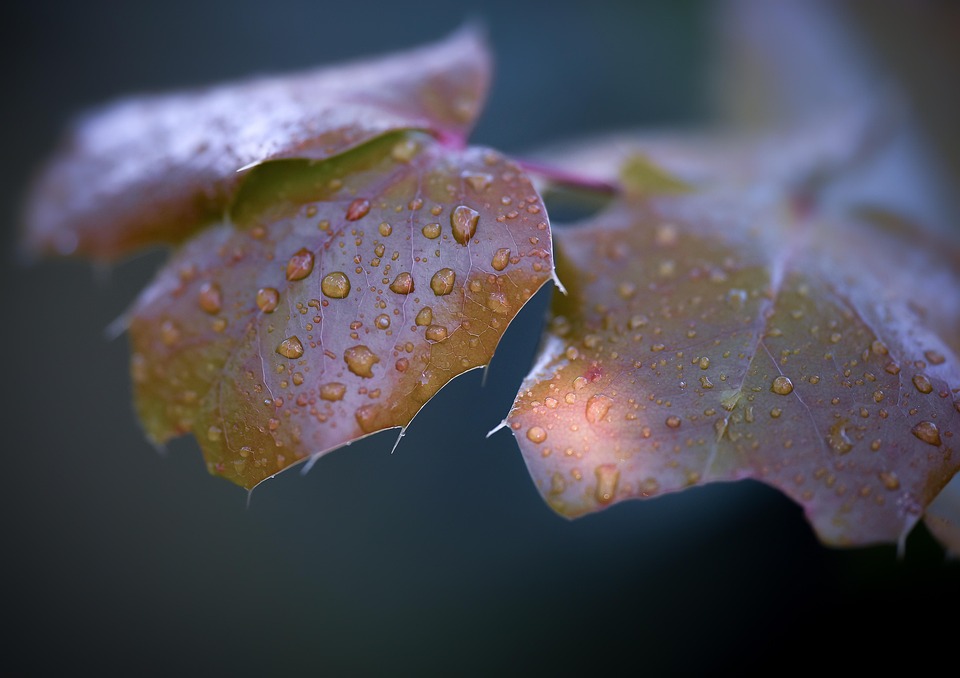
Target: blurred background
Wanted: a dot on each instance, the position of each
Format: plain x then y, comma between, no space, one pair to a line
440,558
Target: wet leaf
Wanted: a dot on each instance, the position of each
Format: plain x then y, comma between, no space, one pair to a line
338,298
731,334
152,169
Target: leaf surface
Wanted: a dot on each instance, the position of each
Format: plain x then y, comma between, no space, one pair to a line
727,334
338,298
152,169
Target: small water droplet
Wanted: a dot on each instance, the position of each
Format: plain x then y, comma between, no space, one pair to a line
366,417
210,298
498,303
402,284
704,363
928,432
424,316
608,476
300,264
597,407
214,433
358,209
169,333
889,480
626,289
403,151
443,281
838,438
782,386
478,181
291,347
360,360
673,421
431,231
333,391
934,357
382,321
336,285
463,221
435,333
385,229
776,412
922,383
267,299
500,259
536,434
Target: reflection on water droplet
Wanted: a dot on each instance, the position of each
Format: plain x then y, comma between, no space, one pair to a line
500,259
290,348
333,391
922,383
267,299
928,432
536,434
597,407
358,209
360,360
435,333
608,476
402,284
210,298
336,285
782,386
300,264
443,281
463,221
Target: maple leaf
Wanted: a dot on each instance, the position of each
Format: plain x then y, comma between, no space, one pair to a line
735,330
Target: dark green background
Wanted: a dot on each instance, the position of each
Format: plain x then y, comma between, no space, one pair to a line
440,558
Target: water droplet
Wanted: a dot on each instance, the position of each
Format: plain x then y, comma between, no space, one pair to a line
443,281
928,432
498,303
210,298
557,483
597,407
667,235
385,229
336,285
705,382
424,316
290,348
169,333
536,434
382,321
463,221
267,299
838,439
608,476
402,284
673,421
934,357
214,433
889,480
478,181
626,290
358,209
403,151
776,412
500,259
431,231
922,383
704,363
782,386
366,417
878,347
333,391
360,360
435,333
297,378
300,264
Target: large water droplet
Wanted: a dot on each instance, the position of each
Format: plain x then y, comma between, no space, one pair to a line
300,264
782,386
435,333
463,221
267,299
402,284
608,476
597,407
210,298
291,347
360,360
358,209
443,281
922,383
336,285
928,432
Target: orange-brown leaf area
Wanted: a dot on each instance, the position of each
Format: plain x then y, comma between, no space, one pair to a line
153,169
338,298
713,338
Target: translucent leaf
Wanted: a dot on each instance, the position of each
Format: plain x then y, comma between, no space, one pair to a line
730,334
337,300
152,169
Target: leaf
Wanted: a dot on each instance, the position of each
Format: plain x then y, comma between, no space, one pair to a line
732,334
336,301
153,169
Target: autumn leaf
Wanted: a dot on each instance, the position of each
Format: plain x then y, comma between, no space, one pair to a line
155,168
727,334
337,300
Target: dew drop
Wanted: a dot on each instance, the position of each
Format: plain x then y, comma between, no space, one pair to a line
431,231
297,378
435,333
928,432
424,316
838,439
336,285
608,476
597,407
673,421
478,181
291,347
463,221
214,433
210,299
169,333
333,391
536,434
385,229
889,480
934,357
267,299
498,303
360,360
402,284
500,259
922,383
382,321
366,417
358,209
300,264
704,363
403,151
443,281
782,386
